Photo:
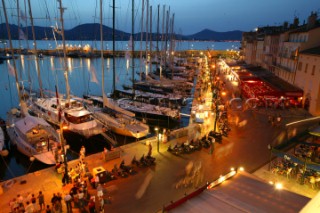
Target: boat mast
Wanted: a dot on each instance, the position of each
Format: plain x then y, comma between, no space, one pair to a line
132,56
147,31
171,46
113,44
150,64
35,50
158,37
141,37
101,51
166,38
11,48
65,64
162,40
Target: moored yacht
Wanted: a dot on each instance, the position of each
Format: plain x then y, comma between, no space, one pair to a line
72,114
33,136
153,114
115,118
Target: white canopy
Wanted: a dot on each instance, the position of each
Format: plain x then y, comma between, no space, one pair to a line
29,122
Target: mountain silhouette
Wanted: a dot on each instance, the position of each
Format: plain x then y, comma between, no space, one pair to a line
92,32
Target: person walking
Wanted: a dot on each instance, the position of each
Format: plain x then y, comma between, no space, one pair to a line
92,206
104,154
68,199
149,148
101,205
41,200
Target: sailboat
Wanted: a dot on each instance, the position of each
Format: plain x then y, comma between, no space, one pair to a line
106,110
70,111
32,136
153,114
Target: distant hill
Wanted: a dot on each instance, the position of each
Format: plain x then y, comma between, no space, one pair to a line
92,32
217,36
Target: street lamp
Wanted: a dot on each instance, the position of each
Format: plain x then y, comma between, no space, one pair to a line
64,154
157,131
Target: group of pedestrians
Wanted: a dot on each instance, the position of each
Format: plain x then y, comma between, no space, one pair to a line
29,204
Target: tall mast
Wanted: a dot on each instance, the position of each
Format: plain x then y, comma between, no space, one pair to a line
113,45
150,65
163,53
166,38
65,64
147,31
18,12
141,37
35,50
158,37
11,48
132,56
171,43
101,51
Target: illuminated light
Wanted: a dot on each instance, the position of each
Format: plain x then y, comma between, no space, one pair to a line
64,127
127,64
241,169
271,182
279,186
223,93
156,129
221,179
301,121
232,169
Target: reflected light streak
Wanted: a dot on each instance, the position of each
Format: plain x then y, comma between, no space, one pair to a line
22,62
70,64
108,63
52,62
88,64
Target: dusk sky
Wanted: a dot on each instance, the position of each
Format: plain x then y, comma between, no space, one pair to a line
191,16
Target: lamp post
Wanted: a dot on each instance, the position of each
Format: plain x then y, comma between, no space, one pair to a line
158,143
62,140
270,148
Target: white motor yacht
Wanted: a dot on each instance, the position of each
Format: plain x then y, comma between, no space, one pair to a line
33,136
72,114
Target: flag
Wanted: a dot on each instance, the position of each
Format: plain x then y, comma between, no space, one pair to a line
11,70
93,75
22,36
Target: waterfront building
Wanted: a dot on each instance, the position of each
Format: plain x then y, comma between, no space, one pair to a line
308,78
285,51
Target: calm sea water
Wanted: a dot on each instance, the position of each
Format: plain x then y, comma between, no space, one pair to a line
81,72
123,45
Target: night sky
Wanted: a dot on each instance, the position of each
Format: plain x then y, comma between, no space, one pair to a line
191,16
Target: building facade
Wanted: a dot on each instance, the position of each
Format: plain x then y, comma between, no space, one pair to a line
288,52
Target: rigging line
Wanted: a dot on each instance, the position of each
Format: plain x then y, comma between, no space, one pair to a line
8,167
29,167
